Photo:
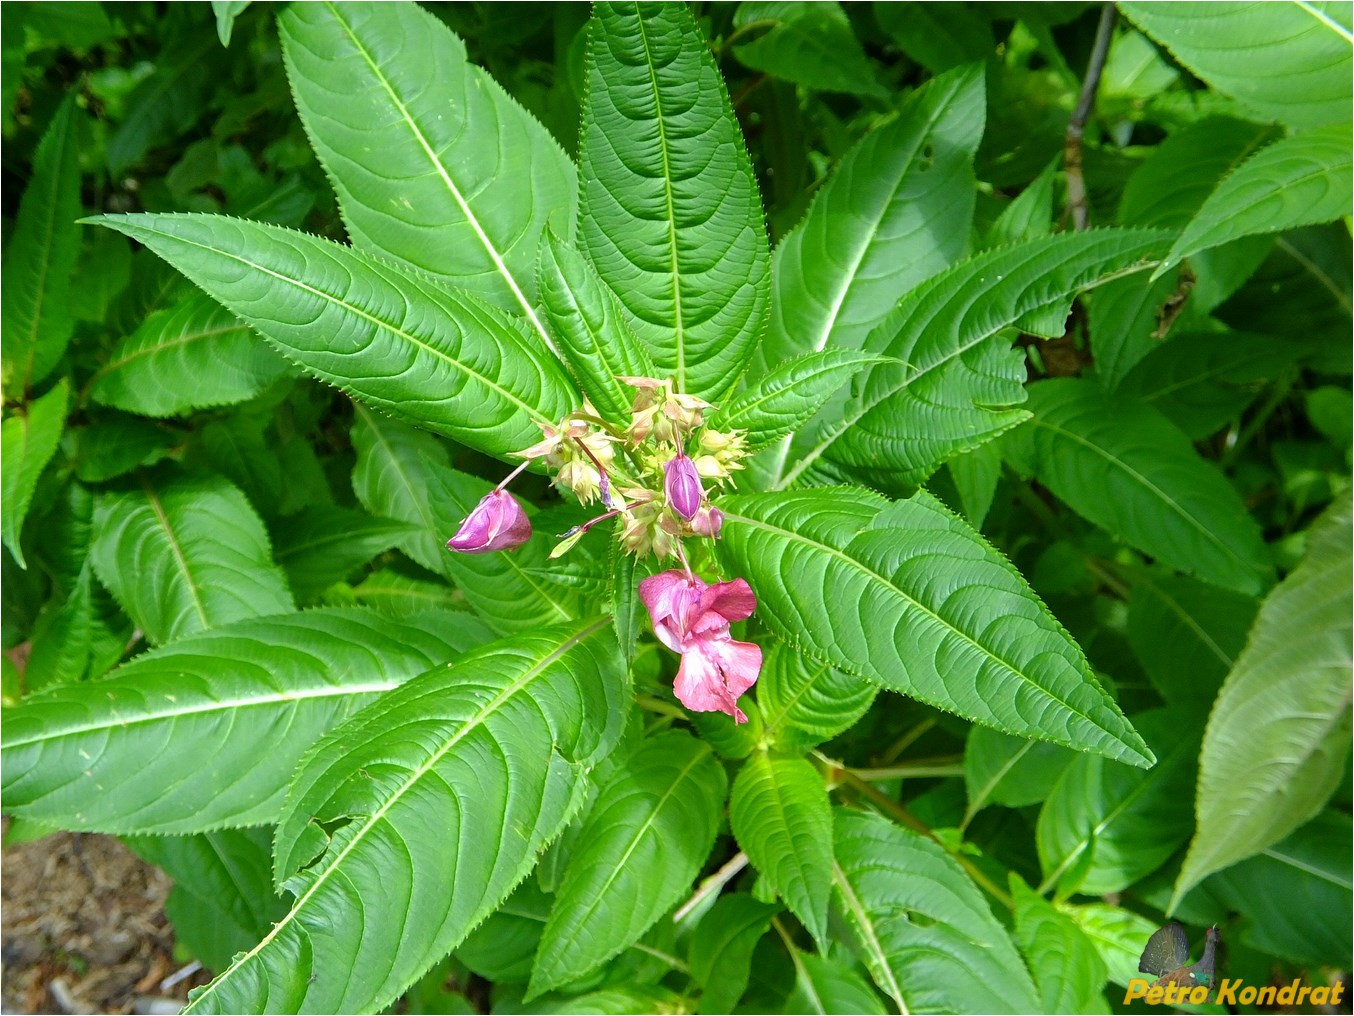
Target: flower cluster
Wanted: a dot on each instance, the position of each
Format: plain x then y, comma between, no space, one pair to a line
653,474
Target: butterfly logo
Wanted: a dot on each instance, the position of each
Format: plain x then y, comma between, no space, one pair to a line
1167,958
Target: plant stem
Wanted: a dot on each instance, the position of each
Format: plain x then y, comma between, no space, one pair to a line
713,884
1076,126
948,765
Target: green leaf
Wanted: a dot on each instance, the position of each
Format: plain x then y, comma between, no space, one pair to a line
320,546
1297,181
722,944
780,401
641,846
250,697
823,987
1030,214
1068,971
669,211
403,474
1297,894
193,355
1277,743
975,474
390,479
60,641
434,164
182,555
1118,935
391,593
1287,62
829,565
1124,467
226,12
422,812
28,440
504,946
1202,380
1104,827
959,380
897,210
1177,175
809,44
405,344
222,901
590,326
1187,634
937,36
40,259
116,444
921,927
804,702
1126,320
781,818
1010,771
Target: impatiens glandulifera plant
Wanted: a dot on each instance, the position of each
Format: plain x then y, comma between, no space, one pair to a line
774,465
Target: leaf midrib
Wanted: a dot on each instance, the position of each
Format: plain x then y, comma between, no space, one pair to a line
870,573
871,940
441,170
215,705
867,406
197,336
162,518
1151,487
356,311
322,874
679,326
638,834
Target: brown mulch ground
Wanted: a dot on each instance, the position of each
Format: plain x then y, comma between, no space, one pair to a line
83,930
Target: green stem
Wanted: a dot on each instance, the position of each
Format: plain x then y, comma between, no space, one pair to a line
949,765
1257,422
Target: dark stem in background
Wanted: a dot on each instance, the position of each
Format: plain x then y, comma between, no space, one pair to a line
1076,183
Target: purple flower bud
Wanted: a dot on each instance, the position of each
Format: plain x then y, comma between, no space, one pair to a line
682,484
707,522
497,523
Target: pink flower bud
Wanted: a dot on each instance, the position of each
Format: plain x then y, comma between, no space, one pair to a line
497,523
707,522
682,484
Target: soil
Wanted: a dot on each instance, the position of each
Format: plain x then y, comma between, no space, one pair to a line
83,930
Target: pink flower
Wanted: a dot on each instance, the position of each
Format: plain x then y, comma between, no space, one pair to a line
682,485
692,618
497,523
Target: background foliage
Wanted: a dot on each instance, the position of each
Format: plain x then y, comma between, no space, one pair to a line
228,611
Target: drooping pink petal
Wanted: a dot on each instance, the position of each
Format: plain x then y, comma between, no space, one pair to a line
692,618
714,672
